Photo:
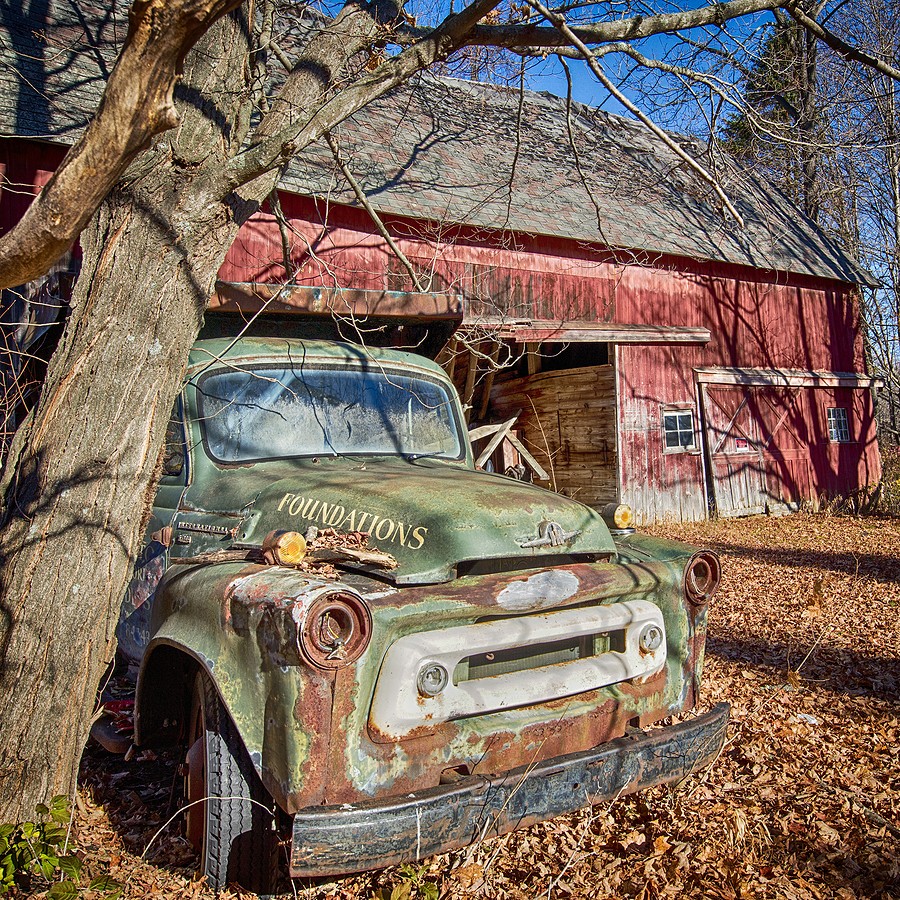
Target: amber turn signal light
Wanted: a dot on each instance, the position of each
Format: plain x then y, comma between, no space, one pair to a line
284,548
618,515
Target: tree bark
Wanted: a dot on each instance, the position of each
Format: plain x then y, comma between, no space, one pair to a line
86,479
84,471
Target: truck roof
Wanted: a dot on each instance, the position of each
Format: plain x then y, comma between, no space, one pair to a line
205,352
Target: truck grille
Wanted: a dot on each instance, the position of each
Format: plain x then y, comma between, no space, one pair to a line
536,656
514,661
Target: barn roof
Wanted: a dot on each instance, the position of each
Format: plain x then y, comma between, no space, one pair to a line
460,152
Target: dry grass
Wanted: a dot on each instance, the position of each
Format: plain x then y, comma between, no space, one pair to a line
803,803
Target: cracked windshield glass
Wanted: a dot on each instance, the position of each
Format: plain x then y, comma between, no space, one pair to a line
274,413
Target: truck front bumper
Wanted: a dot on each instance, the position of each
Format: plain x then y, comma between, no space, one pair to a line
336,840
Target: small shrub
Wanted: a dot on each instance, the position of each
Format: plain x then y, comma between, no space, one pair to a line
34,857
890,481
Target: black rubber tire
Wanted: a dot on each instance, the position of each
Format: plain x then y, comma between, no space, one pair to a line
239,842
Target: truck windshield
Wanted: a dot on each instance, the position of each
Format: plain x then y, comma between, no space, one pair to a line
270,412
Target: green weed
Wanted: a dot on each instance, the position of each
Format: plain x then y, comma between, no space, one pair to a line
35,856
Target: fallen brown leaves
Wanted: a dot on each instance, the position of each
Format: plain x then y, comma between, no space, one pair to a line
803,803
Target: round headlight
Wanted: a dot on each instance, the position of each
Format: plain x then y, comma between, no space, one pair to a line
433,678
284,548
651,638
336,630
702,576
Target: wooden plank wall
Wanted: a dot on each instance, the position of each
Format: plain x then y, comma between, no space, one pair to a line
568,421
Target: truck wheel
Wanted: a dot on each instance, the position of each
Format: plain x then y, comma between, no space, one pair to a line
234,834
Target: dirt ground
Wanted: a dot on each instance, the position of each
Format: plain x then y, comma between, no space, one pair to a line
804,802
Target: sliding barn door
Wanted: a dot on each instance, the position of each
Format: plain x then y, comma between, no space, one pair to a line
734,449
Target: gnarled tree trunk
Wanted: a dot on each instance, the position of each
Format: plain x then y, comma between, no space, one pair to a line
84,471
86,476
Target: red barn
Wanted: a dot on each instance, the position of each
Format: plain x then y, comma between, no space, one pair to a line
653,349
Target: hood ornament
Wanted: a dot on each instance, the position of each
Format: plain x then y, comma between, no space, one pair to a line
551,535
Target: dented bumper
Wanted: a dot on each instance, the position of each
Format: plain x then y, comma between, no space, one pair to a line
333,840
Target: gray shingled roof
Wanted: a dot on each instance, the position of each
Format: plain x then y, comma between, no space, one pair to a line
458,152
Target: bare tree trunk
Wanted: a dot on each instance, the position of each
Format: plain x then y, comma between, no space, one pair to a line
84,472
85,479
808,125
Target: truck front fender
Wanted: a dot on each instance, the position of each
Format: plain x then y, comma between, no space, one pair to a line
280,706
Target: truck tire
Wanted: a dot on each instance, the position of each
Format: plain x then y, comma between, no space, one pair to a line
234,834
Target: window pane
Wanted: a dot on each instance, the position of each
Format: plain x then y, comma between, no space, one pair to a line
670,422
672,439
273,412
838,427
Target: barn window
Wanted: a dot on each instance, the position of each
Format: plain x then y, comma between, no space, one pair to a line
838,429
678,429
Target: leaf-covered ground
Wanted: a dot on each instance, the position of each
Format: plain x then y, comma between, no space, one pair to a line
804,802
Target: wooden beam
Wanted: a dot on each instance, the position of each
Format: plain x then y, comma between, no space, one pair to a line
494,442
232,296
489,382
528,459
469,390
452,354
526,331
784,378
482,431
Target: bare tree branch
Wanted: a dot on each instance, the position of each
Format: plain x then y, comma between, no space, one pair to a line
849,52
560,23
283,134
137,104
373,215
619,29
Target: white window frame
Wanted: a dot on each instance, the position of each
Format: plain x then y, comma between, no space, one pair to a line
679,411
838,424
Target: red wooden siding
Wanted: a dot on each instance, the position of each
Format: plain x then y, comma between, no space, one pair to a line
756,319
26,167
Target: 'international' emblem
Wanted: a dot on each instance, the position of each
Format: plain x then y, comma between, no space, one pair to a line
551,535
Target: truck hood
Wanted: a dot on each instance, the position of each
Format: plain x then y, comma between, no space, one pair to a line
428,515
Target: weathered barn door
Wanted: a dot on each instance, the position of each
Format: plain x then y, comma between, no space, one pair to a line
734,449
776,438
785,414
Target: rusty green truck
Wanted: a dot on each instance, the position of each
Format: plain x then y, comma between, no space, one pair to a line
494,656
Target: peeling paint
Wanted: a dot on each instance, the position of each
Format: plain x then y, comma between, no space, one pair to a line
545,589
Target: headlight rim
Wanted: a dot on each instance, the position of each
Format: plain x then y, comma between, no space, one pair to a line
350,643
700,591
